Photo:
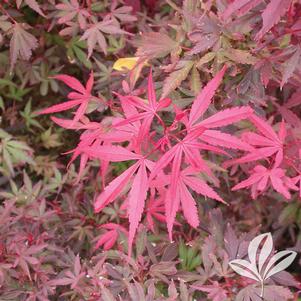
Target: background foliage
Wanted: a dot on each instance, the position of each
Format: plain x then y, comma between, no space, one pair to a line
53,246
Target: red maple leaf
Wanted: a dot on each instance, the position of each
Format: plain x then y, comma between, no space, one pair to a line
108,239
149,109
262,178
266,145
81,97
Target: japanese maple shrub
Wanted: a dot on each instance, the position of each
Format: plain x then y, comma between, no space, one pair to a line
167,159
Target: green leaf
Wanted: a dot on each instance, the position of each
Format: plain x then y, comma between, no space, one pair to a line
195,262
17,93
50,139
13,152
82,57
285,41
18,145
19,155
7,82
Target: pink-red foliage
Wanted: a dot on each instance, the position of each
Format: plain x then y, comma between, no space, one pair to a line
168,161
167,158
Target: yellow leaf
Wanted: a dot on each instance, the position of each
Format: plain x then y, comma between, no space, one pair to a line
125,64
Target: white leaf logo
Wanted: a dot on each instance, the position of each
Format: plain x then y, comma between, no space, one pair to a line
262,263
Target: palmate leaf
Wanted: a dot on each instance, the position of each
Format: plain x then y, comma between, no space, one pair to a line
95,35
178,192
188,151
76,51
203,42
260,178
266,145
13,152
71,277
108,239
81,97
69,10
156,45
21,44
182,196
206,34
131,104
123,13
